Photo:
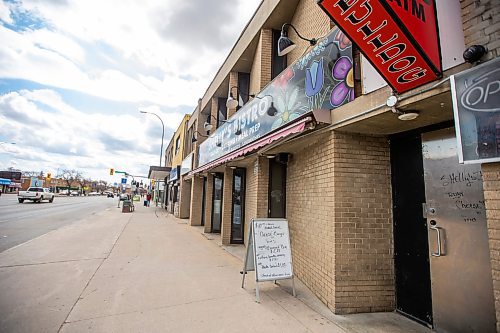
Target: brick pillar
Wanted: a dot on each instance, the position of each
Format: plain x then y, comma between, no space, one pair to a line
266,36
214,107
196,198
208,203
491,186
227,204
233,82
185,201
263,187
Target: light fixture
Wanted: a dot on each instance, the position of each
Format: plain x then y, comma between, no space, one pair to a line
285,45
405,115
208,126
194,138
232,167
218,142
474,53
232,103
391,101
238,130
270,156
272,111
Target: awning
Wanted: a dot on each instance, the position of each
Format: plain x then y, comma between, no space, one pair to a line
285,131
4,181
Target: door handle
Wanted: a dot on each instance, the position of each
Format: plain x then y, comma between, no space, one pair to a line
438,234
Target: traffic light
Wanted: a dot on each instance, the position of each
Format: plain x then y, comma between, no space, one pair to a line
111,172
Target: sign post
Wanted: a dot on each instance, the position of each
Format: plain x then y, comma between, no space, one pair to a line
268,252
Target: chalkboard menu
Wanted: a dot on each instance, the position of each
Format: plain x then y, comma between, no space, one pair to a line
273,257
268,251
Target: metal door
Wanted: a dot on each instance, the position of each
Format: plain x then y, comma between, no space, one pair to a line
462,291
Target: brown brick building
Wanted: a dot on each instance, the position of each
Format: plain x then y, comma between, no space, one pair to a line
382,215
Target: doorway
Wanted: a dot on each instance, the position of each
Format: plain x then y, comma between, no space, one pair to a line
277,189
238,209
218,186
442,262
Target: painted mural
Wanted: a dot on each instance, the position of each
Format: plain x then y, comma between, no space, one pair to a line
321,79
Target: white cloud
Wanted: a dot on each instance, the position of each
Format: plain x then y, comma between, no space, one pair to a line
120,51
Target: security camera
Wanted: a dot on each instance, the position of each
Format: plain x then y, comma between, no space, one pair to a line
473,53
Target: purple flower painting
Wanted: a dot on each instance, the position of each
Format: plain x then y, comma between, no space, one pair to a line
343,72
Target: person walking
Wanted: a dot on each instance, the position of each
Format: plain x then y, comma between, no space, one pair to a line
148,198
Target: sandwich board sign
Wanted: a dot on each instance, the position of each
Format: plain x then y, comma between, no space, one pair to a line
268,252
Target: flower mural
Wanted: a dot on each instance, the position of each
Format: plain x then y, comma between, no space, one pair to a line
314,78
342,40
342,71
320,79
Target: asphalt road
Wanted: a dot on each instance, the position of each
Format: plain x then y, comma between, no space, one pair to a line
20,223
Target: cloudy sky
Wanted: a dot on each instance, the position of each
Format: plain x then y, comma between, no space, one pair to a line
74,73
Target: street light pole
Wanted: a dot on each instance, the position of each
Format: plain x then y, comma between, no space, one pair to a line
162,132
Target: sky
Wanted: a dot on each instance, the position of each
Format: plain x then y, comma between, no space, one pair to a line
73,75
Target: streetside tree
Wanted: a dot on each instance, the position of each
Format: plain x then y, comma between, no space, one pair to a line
69,176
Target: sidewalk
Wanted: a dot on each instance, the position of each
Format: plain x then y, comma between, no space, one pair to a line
150,272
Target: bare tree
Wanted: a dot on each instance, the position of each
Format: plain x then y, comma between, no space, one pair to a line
69,177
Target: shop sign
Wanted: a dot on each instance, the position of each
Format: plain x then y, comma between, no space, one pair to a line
187,164
321,79
398,37
174,173
476,104
4,181
35,182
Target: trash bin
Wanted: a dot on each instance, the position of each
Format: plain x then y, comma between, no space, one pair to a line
127,206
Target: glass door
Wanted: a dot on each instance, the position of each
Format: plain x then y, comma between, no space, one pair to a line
217,203
238,218
277,189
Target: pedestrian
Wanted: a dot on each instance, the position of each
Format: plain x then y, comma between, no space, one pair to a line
148,198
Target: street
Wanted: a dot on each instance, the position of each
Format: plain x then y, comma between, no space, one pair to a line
20,223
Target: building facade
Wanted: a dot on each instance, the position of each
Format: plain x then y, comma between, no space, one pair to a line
382,214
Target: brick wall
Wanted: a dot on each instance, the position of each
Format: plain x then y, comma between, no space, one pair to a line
481,21
256,192
491,185
311,22
339,210
233,82
266,36
185,199
255,71
196,198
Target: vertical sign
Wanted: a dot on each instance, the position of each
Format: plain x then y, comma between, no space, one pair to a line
399,38
476,105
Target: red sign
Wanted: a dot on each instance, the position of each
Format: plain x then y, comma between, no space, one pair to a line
398,37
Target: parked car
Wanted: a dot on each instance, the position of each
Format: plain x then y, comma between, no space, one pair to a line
111,195
35,194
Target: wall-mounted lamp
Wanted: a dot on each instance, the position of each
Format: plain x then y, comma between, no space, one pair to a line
218,142
285,45
271,111
405,115
208,127
194,138
474,53
232,167
232,102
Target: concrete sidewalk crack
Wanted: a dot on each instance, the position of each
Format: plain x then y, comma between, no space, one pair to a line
50,262
92,277
154,308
